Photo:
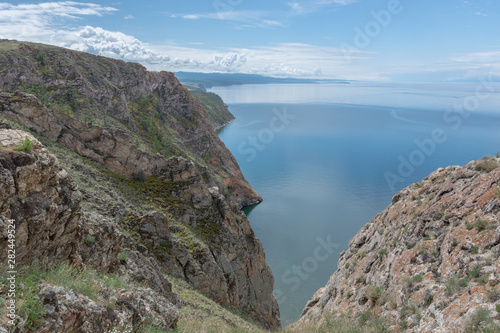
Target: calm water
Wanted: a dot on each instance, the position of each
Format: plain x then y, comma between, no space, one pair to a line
327,158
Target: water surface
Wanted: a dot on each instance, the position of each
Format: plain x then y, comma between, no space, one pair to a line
326,158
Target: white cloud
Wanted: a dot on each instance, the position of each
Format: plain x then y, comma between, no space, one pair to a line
244,18
42,23
129,17
112,44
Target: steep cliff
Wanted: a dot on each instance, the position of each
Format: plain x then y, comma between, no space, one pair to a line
430,262
144,210
154,108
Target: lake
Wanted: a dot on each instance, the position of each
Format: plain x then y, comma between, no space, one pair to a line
326,158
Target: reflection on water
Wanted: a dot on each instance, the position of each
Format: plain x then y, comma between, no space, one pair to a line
323,172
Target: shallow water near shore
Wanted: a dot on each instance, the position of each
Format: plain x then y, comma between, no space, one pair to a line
329,157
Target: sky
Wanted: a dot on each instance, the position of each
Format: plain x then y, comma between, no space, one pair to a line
374,40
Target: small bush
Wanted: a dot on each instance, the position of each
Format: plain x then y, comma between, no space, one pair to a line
428,297
439,215
25,145
481,322
480,225
487,164
418,278
454,242
410,245
122,256
89,240
383,251
475,272
454,285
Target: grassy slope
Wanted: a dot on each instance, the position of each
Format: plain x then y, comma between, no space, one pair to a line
216,109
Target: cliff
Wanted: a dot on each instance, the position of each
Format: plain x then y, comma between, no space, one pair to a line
428,263
145,202
154,108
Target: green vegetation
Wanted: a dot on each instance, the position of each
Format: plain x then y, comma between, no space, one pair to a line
482,322
122,256
216,109
455,284
26,145
475,272
480,225
86,282
89,240
487,164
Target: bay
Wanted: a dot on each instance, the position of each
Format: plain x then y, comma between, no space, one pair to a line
329,157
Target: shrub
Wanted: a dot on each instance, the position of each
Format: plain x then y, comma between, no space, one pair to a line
89,240
454,285
410,245
25,145
122,256
487,164
418,278
428,297
383,251
454,242
475,272
439,215
480,225
481,321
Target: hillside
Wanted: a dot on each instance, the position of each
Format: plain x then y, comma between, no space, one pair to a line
154,108
430,262
123,176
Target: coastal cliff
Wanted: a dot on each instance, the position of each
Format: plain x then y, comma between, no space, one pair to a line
133,183
430,262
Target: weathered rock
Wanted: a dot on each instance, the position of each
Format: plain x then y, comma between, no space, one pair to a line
70,312
42,200
429,261
100,243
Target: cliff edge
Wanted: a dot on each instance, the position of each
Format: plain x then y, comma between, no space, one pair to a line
430,262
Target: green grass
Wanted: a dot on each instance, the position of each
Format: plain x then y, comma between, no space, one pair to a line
26,145
84,281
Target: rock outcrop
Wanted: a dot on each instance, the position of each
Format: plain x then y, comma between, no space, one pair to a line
430,262
43,203
37,193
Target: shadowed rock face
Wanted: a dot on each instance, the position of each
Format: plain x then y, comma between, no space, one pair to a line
430,260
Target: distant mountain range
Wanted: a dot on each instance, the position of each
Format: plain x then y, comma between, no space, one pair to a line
202,81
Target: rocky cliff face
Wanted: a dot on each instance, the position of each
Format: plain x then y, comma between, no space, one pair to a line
430,262
154,108
203,241
44,204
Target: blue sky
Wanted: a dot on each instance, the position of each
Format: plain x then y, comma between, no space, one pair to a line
386,40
